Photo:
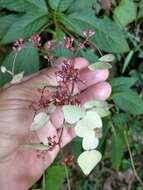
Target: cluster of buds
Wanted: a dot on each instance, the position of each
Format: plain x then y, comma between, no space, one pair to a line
88,33
67,77
68,43
35,39
17,46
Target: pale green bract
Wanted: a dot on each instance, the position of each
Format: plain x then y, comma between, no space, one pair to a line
99,65
73,113
35,146
95,103
107,58
88,160
103,112
17,78
39,121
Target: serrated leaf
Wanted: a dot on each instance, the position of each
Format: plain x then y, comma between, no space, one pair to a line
35,146
107,32
6,22
129,101
55,176
125,13
88,160
122,83
72,113
27,25
39,121
99,65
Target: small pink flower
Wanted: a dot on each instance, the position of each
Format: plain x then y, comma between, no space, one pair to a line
35,39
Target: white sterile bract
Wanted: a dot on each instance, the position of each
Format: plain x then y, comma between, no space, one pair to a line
73,113
90,142
86,126
88,160
39,121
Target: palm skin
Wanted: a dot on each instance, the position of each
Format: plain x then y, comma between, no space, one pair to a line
19,168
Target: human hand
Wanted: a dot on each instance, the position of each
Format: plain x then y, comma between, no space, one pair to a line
19,169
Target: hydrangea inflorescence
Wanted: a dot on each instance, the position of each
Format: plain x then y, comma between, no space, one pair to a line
86,119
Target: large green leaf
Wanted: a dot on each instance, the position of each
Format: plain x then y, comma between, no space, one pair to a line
5,22
23,5
28,24
122,83
27,60
129,101
15,5
116,151
125,13
107,33
55,176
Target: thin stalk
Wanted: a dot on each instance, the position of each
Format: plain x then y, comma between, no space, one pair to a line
132,161
13,64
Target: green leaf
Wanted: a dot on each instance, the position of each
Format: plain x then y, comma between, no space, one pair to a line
27,60
78,5
55,176
116,151
28,24
17,5
122,83
107,33
129,101
99,65
140,14
5,23
23,5
64,4
127,60
54,4
125,13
